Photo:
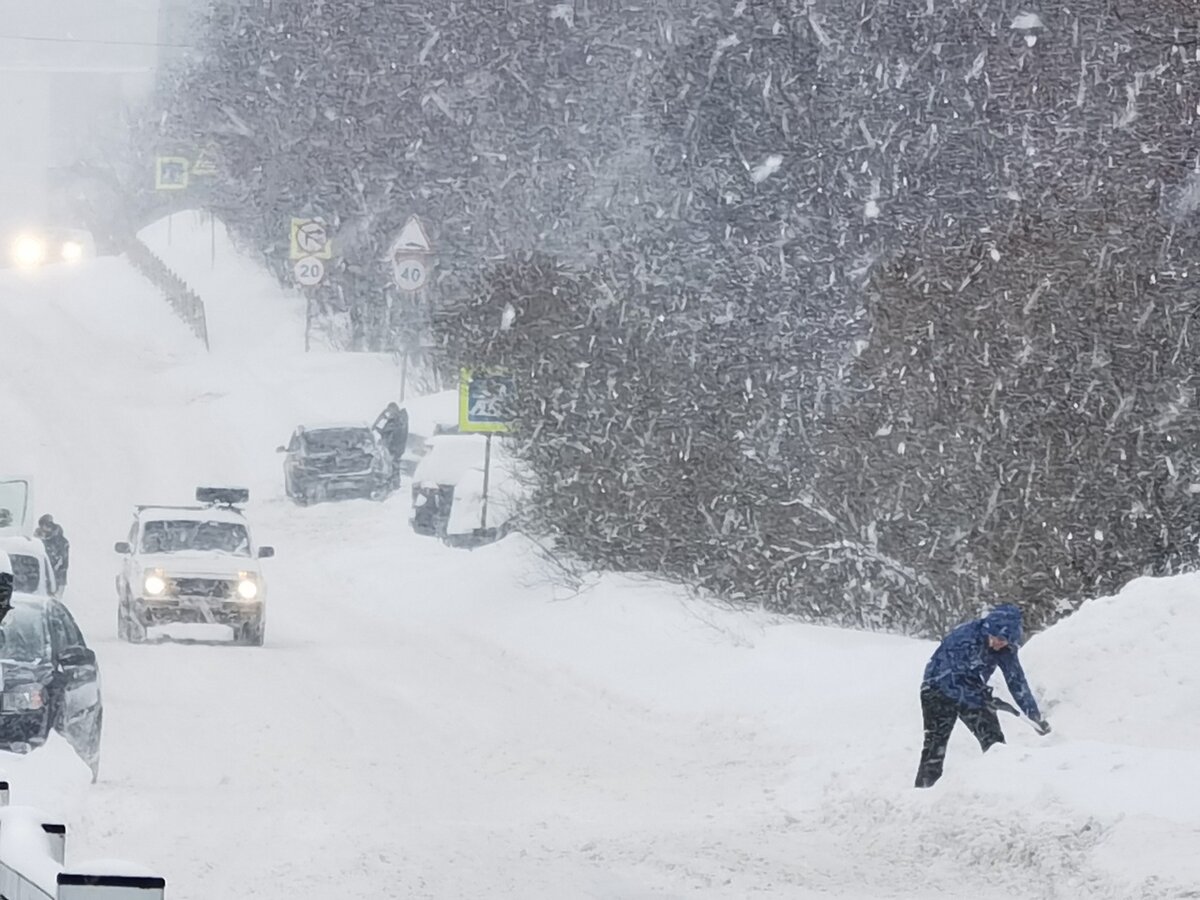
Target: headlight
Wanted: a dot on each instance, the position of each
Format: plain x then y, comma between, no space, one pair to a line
154,584
25,698
71,252
247,588
29,250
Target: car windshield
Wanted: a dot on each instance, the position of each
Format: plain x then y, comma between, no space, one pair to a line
191,535
337,440
27,573
23,636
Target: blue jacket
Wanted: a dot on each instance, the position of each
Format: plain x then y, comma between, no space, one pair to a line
963,663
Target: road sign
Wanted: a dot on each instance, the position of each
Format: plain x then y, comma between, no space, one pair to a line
309,271
411,272
412,238
206,162
484,401
171,173
310,238
410,256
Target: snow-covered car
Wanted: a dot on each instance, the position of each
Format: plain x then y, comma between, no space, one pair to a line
32,572
51,681
336,461
447,489
193,564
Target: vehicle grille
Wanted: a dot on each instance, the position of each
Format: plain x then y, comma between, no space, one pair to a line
212,588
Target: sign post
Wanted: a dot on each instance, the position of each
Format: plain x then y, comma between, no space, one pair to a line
484,398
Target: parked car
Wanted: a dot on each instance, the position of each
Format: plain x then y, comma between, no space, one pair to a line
336,461
51,680
32,572
447,490
193,564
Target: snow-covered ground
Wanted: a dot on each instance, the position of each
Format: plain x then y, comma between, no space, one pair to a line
428,722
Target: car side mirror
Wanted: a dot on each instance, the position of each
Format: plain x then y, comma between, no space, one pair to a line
281,449
122,547
266,552
77,656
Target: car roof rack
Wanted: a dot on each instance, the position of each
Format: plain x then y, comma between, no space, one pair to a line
228,497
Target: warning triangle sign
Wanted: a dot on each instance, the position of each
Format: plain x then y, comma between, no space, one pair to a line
206,162
412,238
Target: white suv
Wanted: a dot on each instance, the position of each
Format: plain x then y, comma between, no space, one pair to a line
193,564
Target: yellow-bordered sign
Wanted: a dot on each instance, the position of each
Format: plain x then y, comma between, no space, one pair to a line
310,237
171,173
485,397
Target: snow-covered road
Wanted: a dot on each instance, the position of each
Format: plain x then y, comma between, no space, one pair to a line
426,722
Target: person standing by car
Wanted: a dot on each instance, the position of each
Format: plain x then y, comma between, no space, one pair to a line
58,548
392,426
955,687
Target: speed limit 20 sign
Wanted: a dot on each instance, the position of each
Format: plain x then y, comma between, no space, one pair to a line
309,271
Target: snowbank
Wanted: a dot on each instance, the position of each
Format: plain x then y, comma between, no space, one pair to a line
1123,668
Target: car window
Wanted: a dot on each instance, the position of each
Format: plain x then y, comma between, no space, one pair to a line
27,573
337,440
23,636
189,535
294,443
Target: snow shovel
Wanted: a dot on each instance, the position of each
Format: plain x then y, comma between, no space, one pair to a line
996,703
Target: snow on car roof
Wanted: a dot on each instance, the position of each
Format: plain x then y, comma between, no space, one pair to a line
19,543
190,513
451,455
336,426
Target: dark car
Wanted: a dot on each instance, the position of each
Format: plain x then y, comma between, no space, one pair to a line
336,462
51,680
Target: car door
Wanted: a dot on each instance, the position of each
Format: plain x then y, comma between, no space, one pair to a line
16,505
128,578
292,460
76,685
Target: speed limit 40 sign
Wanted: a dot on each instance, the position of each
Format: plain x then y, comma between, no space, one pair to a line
411,256
411,272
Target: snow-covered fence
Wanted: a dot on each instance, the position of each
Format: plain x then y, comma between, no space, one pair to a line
186,302
33,863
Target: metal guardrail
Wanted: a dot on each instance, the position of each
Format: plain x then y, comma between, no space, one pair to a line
33,863
186,302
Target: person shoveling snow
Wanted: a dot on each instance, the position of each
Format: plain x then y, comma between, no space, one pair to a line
955,687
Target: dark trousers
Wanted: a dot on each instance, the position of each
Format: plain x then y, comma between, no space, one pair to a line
940,713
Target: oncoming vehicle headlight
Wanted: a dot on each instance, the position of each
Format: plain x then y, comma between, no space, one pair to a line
71,251
29,250
247,587
154,584
22,698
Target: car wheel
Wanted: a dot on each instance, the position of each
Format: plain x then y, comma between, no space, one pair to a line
128,626
92,756
253,633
